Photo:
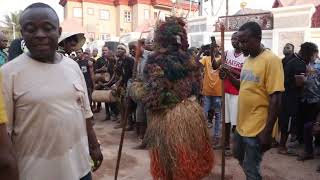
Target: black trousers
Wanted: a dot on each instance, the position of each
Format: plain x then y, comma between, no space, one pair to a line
87,177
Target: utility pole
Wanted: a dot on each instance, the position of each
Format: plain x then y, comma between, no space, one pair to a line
212,8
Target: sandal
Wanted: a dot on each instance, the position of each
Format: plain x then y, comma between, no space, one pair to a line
305,157
228,152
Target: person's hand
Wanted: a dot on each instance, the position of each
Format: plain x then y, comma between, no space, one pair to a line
96,157
300,80
222,74
265,140
224,71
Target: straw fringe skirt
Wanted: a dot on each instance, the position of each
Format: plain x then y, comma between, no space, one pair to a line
179,143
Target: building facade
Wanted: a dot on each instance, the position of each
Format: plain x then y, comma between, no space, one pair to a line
102,19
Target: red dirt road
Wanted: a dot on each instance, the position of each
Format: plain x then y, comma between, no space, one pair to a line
135,163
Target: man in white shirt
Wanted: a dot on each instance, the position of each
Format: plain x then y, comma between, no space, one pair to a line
234,61
49,115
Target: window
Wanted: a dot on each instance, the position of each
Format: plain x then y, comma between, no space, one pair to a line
104,36
146,14
77,12
90,11
127,16
155,14
104,14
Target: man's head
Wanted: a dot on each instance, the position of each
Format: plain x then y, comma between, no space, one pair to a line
249,37
110,56
234,41
309,51
79,53
70,44
149,44
121,50
88,50
95,52
132,48
41,30
105,51
206,49
86,55
3,41
288,49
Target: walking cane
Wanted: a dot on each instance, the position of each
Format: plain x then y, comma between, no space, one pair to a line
222,29
124,120
127,110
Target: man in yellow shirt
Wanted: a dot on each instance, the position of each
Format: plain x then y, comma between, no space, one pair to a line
261,83
211,91
8,164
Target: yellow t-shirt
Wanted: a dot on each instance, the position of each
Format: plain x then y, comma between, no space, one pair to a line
260,77
211,84
3,114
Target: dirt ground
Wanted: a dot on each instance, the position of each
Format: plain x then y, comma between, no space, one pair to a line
135,163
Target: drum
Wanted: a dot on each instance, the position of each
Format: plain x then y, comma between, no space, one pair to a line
102,77
135,90
104,96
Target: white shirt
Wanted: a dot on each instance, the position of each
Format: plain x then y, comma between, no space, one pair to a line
47,105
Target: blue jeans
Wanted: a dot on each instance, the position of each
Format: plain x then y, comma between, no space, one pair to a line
247,151
215,103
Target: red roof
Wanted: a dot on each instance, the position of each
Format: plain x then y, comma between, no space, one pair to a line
286,3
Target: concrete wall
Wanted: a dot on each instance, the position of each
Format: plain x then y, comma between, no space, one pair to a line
139,16
291,25
93,23
122,26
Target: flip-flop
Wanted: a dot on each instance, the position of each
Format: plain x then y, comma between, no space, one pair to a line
318,169
291,152
228,152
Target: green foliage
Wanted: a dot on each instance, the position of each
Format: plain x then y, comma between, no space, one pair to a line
13,18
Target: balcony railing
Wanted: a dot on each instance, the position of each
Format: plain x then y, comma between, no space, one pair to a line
233,23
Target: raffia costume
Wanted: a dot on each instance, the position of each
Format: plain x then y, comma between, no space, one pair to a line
177,133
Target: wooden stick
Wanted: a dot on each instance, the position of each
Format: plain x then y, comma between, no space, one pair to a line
222,28
124,120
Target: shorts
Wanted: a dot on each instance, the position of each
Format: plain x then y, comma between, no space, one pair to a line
231,109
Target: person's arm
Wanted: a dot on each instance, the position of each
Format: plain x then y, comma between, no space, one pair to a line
8,163
91,71
274,84
265,136
234,80
94,146
215,64
226,72
198,58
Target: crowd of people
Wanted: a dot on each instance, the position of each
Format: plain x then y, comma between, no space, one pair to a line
49,83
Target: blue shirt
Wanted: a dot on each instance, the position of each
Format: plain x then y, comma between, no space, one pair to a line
311,93
3,58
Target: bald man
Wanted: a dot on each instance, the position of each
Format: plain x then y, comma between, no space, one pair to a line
3,45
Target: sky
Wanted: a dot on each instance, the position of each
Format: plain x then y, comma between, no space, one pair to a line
8,6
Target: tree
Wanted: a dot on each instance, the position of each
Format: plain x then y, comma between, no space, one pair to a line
12,21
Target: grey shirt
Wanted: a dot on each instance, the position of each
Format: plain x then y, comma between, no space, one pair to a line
142,64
